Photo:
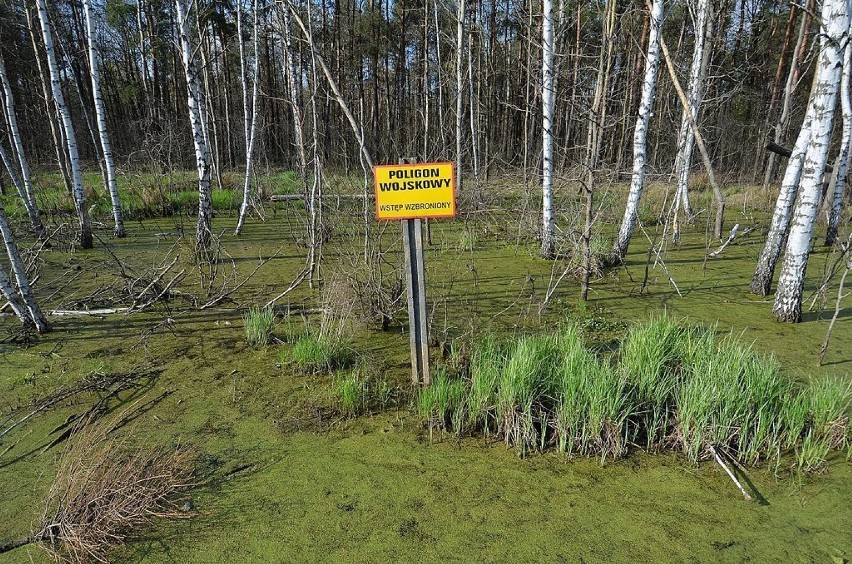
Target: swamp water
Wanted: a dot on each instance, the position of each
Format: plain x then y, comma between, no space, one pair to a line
288,479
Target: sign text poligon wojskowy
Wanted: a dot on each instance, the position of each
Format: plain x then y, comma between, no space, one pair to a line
410,191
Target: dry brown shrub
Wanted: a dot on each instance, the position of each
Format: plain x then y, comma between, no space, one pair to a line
105,490
153,197
339,304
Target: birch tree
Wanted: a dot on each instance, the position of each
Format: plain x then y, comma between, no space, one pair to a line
203,227
548,247
640,135
460,13
793,76
249,107
100,115
21,300
835,32
25,186
841,167
594,135
78,192
695,94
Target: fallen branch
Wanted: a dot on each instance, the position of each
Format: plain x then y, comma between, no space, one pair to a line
293,285
824,348
104,490
731,237
218,299
659,259
106,311
156,280
552,288
774,147
177,277
109,384
721,463
293,197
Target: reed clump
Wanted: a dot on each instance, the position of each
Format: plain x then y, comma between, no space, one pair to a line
313,353
259,323
669,385
362,389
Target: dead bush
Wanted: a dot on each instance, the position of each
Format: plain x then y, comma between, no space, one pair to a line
105,490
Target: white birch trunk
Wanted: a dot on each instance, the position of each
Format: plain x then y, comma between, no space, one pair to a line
761,281
290,73
640,134
25,189
459,89
789,88
440,80
249,110
594,133
50,107
548,247
12,170
100,115
68,128
11,296
841,168
314,196
791,282
474,137
203,227
695,94
366,158
32,311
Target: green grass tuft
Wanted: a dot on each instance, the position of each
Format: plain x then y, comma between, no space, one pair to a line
442,403
259,323
486,365
353,392
314,354
526,389
670,385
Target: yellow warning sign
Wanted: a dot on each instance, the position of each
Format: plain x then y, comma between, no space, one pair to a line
410,191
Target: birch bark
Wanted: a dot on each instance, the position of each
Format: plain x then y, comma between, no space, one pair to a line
203,227
100,115
249,109
31,310
695,94
459,89
646,106
761,281
12,297
835,32
68,127
25,189
841,169
50,107
548,247
290,73
594,135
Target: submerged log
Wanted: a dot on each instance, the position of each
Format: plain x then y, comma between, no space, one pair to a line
292,197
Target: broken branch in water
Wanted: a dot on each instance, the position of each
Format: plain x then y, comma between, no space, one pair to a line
721,463
731,237
218,299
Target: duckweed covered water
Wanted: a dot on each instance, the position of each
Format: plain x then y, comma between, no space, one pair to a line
288,479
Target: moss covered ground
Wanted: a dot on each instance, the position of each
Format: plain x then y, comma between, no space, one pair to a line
286,477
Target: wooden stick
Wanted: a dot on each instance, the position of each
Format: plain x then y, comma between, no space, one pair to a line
824,348
730,474
107,311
